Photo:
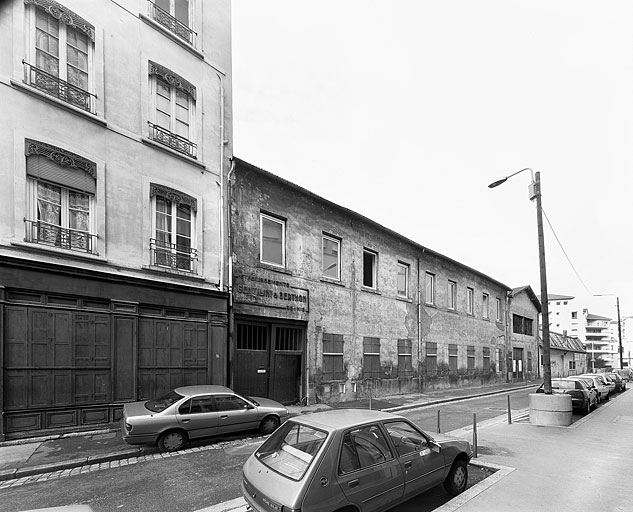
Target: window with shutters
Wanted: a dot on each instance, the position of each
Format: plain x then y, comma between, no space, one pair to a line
452,357
470,360
60,52
486,358
405,358
431,358
173,110
173,244
61,189
371,358
333,368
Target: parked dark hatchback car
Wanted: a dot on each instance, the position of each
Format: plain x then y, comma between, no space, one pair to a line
191,412
351,460
581,396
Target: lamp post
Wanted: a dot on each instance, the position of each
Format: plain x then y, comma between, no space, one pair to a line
535,193
617,302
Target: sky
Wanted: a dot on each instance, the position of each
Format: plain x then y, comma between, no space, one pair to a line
405,110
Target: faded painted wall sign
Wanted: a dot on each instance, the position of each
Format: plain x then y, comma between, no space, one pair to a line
268,291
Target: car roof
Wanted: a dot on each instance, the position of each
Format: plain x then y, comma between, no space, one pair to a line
202,390
338,419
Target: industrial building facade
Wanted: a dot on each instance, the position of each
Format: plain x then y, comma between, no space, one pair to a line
116,137
330,306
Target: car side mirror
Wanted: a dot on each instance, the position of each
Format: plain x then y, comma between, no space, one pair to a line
435,447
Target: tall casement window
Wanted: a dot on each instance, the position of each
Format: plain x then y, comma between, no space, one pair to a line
403,280
529,361
485,299
498,310
331,257
272,241
173,244
499,360
61,189
371,358
175,16
60,53
452,295
370,259
173,110
470,301
430,361
333,368
405,358
429,288
470,357
452,357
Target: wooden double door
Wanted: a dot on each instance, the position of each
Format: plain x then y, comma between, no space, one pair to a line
269,360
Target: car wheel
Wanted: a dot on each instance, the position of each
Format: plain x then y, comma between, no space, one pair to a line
268,425
588,408
172,441
457,478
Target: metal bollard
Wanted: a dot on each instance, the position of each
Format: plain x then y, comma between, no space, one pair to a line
509,412
475,435
438,422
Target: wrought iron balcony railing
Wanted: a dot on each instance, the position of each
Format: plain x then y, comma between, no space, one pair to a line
173,141
171,23
172,256
54,86
40,232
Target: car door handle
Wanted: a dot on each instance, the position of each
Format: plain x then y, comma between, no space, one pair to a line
224,416
352,483
407,464
186,421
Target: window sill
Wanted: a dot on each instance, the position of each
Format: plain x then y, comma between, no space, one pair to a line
65,253
404,299
335,282
59,103
370,290
171,152
165,31
173,272
274,268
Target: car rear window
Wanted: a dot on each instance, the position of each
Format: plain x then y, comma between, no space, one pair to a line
564,384
291,449
161,403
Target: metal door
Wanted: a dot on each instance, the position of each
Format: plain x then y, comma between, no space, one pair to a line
517,363
252,359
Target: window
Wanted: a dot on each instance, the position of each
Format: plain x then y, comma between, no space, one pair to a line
452,295
470,301
61,51
173,243
405,358
431,358
369,268
529,361
173,108
331,257
333,368
198,405
498,314
363,447
572,365
522,325
470,360
486,358
61,199
484,305
273,240
403,279
574,315
499,360
406,438
452,357
229,403
429,288
175,16
371,358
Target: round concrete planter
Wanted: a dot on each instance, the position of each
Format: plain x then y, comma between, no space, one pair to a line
553,410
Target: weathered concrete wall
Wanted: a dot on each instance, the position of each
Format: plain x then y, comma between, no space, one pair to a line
347,308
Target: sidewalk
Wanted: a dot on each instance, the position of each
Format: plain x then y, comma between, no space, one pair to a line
78,452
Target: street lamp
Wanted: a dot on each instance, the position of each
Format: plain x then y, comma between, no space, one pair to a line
535,193
617,302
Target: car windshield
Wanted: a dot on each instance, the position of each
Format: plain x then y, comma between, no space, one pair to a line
161,403
291,449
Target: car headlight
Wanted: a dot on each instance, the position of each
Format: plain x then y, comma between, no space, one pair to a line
128,427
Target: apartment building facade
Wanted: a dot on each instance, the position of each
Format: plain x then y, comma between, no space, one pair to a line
116,138
330,306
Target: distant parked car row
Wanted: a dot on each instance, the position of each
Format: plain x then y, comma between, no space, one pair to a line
589,389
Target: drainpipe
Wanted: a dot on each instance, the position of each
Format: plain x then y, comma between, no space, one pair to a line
509,356
222,183
231,327
419,332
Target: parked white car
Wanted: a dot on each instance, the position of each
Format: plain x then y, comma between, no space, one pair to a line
604,390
